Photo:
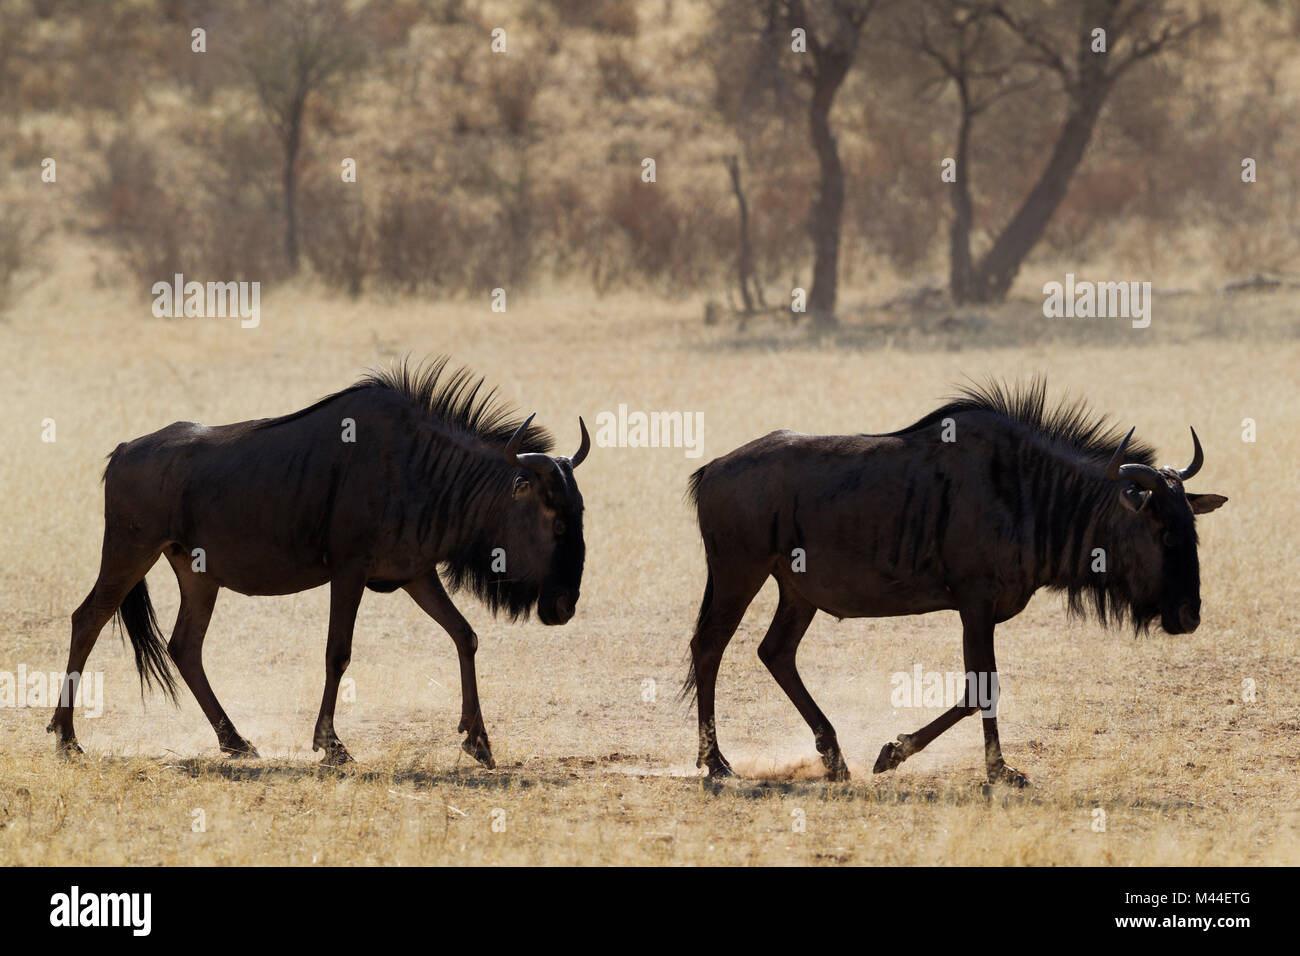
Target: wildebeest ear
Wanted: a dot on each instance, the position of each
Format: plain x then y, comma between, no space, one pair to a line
521,486
1204,504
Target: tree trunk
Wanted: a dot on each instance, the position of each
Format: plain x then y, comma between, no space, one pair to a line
745,260
959,260
827,211
992,278
292,142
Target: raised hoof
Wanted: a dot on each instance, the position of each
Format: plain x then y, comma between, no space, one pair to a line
336,755
243,749
480,749
1008,775
891,755
837,771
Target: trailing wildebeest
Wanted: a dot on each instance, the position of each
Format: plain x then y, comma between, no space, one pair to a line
973,508
377,486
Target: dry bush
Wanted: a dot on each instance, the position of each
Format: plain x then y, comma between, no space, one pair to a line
145,224
226,229
513,88
426,244
240,207
674,244
337,236
617,17
620,78
20,243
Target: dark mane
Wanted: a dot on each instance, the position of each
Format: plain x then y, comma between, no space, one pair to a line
1068,423
459,400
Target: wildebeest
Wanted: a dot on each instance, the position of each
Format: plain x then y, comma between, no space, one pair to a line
973,508
378,486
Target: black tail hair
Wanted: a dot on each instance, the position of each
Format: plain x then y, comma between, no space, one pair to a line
137,619
688,685
693,495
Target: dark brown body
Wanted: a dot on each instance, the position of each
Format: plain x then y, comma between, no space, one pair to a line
408,475
973,509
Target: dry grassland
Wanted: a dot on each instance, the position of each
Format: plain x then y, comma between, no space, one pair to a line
595,762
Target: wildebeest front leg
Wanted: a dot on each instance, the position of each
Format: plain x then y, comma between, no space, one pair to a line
980,694
429,593
345,598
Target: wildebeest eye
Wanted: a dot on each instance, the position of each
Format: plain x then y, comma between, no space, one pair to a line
1170,539
559,527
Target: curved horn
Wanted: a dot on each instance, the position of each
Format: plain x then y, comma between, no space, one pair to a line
1143,475
517,440
1117,459
583,447
533,462
1198,459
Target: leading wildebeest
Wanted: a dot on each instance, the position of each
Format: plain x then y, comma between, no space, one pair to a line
973,508
377,486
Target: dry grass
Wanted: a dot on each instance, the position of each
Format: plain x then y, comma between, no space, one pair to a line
1153,731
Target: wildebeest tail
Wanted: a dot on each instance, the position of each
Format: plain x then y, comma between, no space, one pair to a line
693,494
693,485
137,618
688,685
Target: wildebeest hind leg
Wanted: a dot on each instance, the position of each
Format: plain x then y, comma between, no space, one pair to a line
777,652
119,571
726,596
198,596
429,593
345,597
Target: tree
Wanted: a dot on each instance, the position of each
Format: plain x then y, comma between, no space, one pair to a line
832,30
290,51
1088,56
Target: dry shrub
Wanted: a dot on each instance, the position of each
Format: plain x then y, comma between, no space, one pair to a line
145,224
337,237
675,244
431,244
513,88
228,229
20,241
617,17
620,78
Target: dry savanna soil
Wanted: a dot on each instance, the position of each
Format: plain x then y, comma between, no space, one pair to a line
1147,750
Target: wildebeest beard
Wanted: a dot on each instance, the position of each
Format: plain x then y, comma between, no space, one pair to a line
469,568
1075,512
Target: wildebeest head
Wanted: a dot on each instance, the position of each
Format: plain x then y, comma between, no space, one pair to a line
544,531
1164,578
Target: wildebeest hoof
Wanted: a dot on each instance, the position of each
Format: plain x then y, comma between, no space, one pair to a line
891,755
717,764
68,748
1001,773
241,749
336,755
836,768
480,749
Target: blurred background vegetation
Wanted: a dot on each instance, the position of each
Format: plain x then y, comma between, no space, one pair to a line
477,170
